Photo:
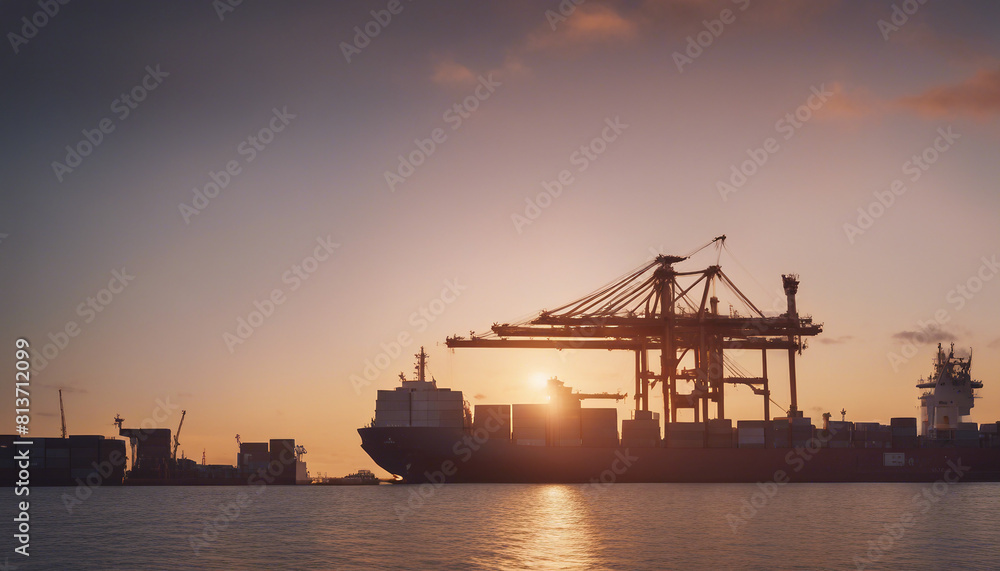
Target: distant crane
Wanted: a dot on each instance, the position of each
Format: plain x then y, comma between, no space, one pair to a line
177,441
62,414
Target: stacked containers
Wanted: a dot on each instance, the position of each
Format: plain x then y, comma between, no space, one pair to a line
967,435
282,454
449,407
838,434
859,438
489,416
791,431
599,427
530,424
253,457
686,435
57,454
720,433
904,432
392,408
564,423
641,432
440,408
154,450
83,453
990,434
750,433
112,454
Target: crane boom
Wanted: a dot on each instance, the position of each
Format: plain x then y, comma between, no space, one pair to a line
62,414
177,441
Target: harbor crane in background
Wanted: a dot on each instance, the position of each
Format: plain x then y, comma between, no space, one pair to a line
62,414
177,437
658,309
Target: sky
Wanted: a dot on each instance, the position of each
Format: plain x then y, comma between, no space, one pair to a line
243,211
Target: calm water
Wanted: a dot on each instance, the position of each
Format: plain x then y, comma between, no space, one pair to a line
638,526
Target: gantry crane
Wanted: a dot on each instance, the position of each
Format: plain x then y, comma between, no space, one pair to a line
657,308
62,414
177,441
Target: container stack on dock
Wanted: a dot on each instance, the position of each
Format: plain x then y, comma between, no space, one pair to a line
90,460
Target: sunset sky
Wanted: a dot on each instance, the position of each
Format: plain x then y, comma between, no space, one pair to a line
406,183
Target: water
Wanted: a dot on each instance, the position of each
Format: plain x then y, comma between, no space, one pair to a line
629,526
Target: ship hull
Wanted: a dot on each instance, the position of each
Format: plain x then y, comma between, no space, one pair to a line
425,454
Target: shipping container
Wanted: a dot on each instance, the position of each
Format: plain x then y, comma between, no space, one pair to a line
493,419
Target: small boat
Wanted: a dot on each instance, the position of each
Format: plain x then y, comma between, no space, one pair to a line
359,478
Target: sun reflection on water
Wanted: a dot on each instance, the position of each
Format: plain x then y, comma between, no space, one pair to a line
546,527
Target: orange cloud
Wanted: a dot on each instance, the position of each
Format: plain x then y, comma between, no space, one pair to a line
450,72
851,103
587,24
978,96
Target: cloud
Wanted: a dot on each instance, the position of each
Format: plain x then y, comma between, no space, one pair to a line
995,344
849,103
834,340
977,96
589,24
479,396
932,334
450,72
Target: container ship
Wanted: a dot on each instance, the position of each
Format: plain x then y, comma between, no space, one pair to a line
423,433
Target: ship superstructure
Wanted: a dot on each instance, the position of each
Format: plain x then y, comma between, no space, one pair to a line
950,396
